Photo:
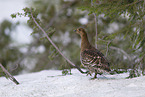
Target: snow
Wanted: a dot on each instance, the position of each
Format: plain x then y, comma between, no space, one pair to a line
51,83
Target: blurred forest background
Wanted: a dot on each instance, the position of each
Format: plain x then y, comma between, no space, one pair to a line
120,27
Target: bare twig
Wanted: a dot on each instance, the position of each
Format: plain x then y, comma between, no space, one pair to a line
9,75
121,50
16,66
135,65
55,45
107,47
141,59
95,17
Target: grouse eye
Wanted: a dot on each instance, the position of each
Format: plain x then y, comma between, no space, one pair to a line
79,29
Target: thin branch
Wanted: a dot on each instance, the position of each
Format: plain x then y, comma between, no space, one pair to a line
95,17
121,50
9,75
141,59
135,65
131,4
107,47
55,45
96,30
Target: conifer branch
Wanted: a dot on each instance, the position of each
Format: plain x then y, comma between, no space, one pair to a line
9,75
55,45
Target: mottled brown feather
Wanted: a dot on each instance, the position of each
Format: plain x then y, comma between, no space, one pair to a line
91,57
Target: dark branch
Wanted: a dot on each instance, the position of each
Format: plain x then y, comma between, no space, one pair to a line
55,45
9,75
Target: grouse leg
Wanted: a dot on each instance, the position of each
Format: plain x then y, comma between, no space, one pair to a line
89,73
95,76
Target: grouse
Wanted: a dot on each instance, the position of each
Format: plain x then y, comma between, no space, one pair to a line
91,58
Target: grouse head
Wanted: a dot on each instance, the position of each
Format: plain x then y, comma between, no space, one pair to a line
80,31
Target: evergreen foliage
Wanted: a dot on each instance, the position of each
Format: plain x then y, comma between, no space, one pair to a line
8,52
121,34
133,32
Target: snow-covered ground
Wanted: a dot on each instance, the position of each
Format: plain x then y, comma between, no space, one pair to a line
51,83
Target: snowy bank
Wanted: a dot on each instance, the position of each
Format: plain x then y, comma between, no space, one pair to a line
50,83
